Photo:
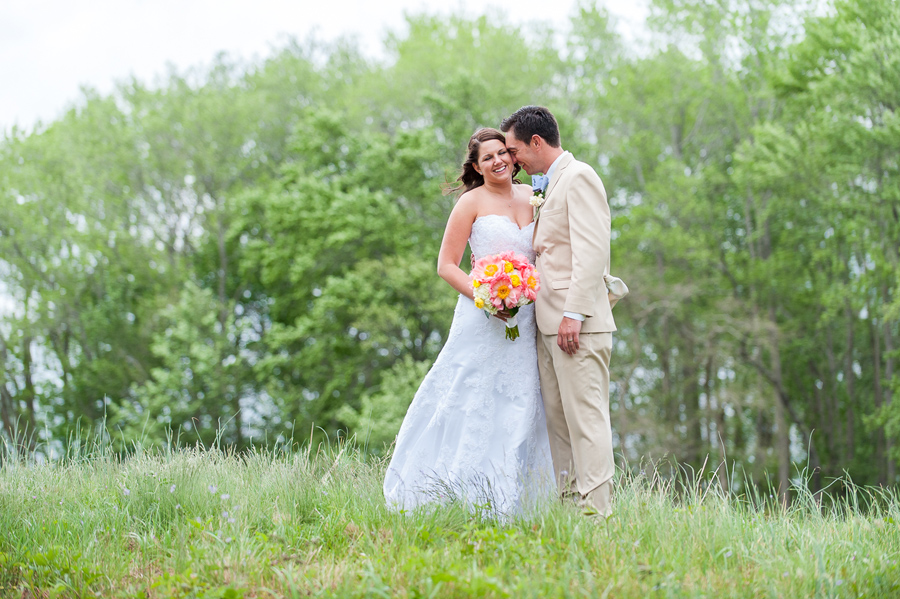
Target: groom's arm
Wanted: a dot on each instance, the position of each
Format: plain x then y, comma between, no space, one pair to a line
589,234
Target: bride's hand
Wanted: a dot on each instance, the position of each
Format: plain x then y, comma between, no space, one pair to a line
503,315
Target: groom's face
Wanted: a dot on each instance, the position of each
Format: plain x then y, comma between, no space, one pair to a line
524,153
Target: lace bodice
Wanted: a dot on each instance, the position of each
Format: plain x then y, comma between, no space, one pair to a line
494,233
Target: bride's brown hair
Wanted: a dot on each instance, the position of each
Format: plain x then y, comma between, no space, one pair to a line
469,179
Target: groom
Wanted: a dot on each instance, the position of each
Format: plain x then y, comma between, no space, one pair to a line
574,318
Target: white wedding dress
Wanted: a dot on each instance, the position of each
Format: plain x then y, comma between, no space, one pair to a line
476,429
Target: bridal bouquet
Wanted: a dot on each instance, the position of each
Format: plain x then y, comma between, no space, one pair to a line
504,281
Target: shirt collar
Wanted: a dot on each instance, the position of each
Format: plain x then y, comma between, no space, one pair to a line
553,166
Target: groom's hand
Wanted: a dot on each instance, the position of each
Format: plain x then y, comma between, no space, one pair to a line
567,337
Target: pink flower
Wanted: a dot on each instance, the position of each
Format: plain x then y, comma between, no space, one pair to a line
501,288
513,300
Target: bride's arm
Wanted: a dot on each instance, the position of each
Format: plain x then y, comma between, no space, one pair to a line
456,236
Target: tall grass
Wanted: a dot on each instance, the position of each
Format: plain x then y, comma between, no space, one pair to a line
204,522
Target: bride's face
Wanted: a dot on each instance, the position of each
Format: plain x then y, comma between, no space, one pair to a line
494,161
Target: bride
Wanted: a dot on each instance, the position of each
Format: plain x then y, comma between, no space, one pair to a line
475,430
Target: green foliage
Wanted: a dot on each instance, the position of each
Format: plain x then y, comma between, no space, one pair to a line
382,409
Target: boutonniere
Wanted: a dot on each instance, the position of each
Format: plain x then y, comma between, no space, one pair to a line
538,185
537,200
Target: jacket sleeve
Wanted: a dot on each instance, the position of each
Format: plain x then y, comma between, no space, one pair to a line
589,230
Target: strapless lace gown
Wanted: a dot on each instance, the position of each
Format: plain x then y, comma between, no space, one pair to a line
476,429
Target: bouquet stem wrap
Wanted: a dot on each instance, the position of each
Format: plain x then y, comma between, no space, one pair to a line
512,326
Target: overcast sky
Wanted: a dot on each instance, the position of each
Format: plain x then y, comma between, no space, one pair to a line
50,48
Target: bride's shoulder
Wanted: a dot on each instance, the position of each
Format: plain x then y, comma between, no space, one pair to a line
466,198
467,204
470,198
523,191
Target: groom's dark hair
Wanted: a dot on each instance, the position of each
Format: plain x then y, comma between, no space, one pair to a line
532,120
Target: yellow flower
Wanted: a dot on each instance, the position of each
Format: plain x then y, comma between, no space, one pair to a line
490,270
508,267
476,283
516,280
531,282
479,303
503,291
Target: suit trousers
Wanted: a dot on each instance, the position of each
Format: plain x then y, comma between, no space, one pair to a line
576,399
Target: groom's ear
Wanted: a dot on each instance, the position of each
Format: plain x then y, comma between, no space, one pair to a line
537,141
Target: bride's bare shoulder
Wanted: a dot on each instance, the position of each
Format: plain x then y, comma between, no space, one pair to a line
469,198
523,191
467,205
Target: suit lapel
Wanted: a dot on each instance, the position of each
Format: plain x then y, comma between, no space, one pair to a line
565,161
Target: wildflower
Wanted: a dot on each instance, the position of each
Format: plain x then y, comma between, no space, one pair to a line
224,514
172,489
127,492
227,539
225,497
231,520
177,506
212,488
728,553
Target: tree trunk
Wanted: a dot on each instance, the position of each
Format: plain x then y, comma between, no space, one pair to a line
849,375
782,429
7,407
712,446
225,385
834,406
691,398
29,392
888,397
825,423
879,400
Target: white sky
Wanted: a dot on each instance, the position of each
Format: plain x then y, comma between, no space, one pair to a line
50,48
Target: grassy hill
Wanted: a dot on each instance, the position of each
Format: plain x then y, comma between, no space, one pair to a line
203,523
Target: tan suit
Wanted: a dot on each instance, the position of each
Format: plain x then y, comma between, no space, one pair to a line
572,238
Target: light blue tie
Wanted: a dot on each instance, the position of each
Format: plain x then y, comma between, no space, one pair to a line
539,182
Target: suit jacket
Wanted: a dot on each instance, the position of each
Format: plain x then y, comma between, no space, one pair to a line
571,239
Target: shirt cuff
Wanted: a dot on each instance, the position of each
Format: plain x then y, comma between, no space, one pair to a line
574,316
